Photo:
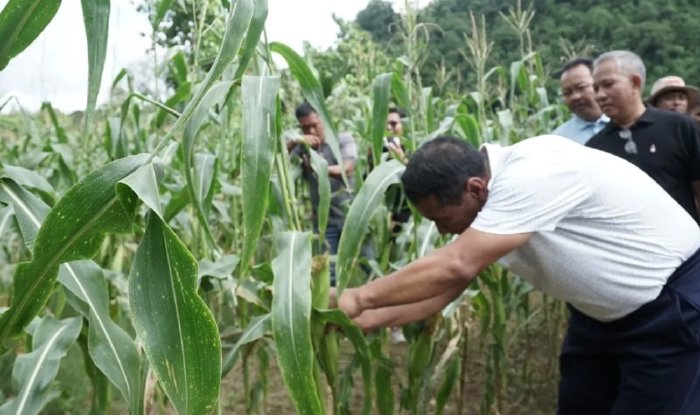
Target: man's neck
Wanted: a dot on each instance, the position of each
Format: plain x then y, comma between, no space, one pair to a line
487,164
591,118
628,119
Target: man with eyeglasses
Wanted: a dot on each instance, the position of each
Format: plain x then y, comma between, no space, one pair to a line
664,144
577,91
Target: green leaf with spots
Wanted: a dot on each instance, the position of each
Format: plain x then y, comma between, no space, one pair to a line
73,229
177,330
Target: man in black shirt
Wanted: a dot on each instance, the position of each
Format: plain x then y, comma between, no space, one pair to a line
663,144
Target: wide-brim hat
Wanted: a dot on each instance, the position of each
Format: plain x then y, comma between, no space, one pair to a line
671,83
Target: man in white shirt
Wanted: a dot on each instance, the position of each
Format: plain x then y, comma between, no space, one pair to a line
578,94
581,225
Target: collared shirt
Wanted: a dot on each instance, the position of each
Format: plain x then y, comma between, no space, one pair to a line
340,195
605,238
668,150
580,130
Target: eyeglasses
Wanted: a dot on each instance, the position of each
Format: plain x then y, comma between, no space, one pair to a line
630,145
393,123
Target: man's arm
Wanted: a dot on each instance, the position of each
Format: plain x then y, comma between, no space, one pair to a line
348,152
399,315
334,170
309,139
445,270
696,190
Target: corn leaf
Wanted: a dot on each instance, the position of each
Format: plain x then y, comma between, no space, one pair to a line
222,268
257,25
291,329
96,19
380,109
60,132
144,183
257,155
340,319
258,327
28,178
177,330
181,94
384,368
74,229
21,22
431,123
369,198
400,92
29,210
237,24
33,372
112,350
6,215
469,125
320,166
206,169
215,96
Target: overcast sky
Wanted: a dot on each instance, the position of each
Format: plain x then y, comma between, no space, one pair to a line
54,67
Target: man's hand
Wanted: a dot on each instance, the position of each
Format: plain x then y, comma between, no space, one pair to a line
396,150
312,140
349,302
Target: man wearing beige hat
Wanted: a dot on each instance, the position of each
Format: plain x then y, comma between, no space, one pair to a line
672,94
663,144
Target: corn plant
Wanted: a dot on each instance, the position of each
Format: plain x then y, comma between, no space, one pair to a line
169,239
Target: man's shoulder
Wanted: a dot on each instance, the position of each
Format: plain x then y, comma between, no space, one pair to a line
345,136
565,126
668,117
599,139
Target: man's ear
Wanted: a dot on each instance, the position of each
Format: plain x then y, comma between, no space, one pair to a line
637,82
476,186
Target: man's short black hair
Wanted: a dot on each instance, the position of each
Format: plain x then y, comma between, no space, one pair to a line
305,109
440,168
395,110
587,62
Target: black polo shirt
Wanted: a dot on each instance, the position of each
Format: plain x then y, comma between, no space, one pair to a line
668,150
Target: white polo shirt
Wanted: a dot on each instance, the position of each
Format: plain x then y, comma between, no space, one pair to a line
606,236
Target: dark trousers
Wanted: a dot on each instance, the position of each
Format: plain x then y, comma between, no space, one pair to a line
645,363
332,237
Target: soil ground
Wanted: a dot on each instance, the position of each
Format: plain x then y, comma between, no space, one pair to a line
531,390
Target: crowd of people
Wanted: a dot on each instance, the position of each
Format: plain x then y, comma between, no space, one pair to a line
601,214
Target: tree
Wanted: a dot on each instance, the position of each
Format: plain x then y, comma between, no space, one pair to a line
662,32
379,19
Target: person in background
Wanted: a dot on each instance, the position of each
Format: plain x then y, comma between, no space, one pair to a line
581,225
577,91
664,144
694,111
393,141
315,138
672,94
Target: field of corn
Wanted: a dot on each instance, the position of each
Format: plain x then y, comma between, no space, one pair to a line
158,256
